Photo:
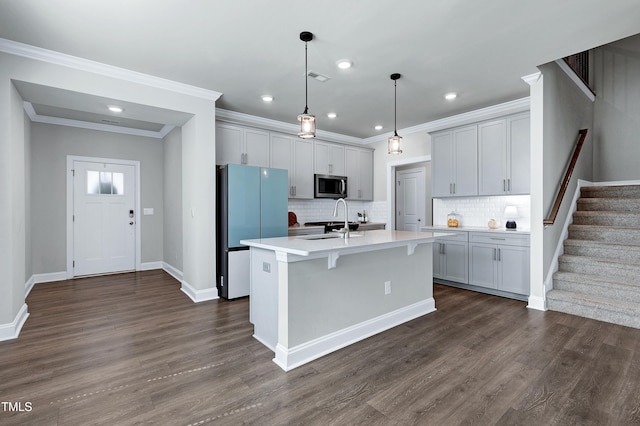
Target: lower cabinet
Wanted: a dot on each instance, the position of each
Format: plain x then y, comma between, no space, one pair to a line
499,262
451,259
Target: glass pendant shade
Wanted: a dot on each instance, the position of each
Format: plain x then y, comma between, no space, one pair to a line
394,144
307,126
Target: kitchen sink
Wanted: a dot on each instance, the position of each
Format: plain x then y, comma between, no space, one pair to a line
334,224
327,236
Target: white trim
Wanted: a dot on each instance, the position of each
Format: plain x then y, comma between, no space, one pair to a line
28,286
12,330
289,128
537,303
288,359
199,295
57,58
506,108
69,212
532,79
616,183
174,272
49,277
149,266
35,117
572,75
391,187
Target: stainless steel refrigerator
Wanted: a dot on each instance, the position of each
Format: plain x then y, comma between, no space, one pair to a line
252,202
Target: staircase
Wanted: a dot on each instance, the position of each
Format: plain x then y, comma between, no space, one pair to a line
599,273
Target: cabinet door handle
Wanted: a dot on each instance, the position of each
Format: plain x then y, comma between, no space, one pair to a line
504,185
295,190
454,187
499,256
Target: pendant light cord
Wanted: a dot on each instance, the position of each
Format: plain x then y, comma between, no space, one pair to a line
395,107
306,81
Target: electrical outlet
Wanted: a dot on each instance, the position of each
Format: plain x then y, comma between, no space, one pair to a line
266,267
387,287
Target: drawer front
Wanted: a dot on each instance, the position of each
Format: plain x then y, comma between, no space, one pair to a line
521,240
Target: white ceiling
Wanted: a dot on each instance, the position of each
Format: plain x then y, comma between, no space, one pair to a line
246,48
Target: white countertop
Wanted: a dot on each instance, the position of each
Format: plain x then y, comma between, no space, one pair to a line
444,228
291,249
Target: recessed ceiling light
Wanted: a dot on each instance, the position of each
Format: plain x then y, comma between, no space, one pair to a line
378,127
115,108
450,96
267,98
344,64
332,115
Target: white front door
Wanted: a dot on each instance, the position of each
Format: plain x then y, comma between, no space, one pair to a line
410,199
104,218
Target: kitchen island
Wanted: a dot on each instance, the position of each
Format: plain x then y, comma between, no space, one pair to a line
312,295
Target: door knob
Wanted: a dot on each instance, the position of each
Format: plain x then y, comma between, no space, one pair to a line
131,223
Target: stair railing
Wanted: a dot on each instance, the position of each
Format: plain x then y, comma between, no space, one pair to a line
582,134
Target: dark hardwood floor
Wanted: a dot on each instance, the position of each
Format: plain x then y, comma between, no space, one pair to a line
133,349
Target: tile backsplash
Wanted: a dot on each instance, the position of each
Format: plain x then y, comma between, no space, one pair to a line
319,210
476,211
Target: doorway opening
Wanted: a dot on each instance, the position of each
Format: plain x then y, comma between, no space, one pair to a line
392,169
103,210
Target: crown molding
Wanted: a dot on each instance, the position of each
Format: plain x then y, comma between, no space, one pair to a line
280,126
511,107
57,58
35,117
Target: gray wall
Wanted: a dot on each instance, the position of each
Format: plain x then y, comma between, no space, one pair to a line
617,111
172,253
50,146
28,267
566,111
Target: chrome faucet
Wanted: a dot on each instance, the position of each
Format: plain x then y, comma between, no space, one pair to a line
344,231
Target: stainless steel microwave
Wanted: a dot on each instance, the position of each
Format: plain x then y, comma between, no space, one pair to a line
327,186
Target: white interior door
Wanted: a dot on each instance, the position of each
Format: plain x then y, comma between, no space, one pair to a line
410,199
104,218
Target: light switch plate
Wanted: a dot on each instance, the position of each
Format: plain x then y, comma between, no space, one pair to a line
147,211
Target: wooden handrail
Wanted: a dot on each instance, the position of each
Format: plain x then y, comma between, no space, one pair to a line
567,177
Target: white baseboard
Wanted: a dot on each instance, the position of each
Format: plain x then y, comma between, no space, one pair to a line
149,266
174,272
538,303
288,359
199,295
43,278
28,286
12,330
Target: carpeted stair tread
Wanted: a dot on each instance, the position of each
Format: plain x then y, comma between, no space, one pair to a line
595,307
626,191
599,267
607,218
611,234
609,204
597,286
603,250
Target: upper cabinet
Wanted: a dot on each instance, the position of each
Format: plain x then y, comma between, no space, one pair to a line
503,156
329,159
454,158
241,145
487,158
359,172
296,156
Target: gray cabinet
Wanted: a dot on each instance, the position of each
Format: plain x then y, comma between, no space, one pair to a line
499,261
329,159
504,156
241,145
454,155
359,172
296,156
451,257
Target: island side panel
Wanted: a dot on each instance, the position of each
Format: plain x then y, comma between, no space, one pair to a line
263,299
322,301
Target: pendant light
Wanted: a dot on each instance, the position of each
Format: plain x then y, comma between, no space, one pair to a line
307,121
394,141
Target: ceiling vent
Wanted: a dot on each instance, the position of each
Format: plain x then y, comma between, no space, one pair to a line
321,78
